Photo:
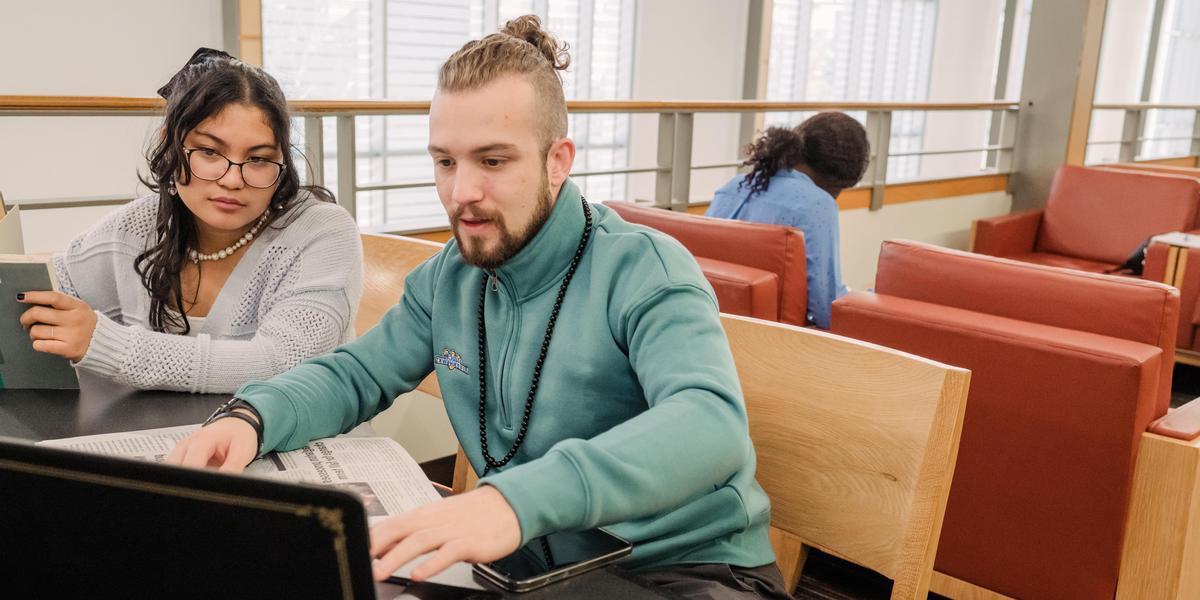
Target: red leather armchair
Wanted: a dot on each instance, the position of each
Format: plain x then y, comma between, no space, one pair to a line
1069,369
1093,219
1179,267
756,270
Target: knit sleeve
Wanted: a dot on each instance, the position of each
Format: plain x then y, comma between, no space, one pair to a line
65,285
99,261
304,319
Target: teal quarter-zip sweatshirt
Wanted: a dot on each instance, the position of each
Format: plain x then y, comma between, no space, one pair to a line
638,423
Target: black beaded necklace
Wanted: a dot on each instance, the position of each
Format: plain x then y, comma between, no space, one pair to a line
492,463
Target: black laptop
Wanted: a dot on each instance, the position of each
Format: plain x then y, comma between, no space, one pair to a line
86,526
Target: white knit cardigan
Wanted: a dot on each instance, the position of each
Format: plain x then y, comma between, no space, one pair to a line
292,296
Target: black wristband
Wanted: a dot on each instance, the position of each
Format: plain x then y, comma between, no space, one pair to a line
229,409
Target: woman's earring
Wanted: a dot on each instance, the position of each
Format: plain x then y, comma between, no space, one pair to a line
171,189
279,206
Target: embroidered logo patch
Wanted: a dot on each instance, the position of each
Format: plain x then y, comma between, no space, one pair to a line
451,360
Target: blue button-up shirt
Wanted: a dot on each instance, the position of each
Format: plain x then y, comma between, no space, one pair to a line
793,199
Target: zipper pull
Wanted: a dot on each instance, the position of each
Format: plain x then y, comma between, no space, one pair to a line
495,284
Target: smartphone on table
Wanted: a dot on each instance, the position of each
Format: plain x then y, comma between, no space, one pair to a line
553,558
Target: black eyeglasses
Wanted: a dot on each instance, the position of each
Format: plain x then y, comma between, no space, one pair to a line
210,165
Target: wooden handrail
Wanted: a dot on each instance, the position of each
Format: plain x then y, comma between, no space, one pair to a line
84,103
120,105
1145,106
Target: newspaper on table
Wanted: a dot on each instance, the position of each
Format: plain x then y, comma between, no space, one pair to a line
376,469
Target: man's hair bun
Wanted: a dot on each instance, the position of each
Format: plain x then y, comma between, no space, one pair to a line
529,28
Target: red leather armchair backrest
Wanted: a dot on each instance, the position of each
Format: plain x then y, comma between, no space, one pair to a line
1068,369
1120,307
1040,495
1104,215
773,248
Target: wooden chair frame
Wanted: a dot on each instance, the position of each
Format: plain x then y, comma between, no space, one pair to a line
387,261
1161,555
856,443
856,447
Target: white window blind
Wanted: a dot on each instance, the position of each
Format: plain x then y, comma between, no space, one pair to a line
855,50
392,49
1176,81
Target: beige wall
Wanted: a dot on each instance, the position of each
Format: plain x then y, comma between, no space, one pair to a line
697,58
419,422
960,72
945,222
111,48
1119,78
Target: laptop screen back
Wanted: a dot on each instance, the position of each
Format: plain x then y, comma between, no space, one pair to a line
78,525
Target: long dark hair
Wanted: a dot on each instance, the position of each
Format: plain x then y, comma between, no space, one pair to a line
205,86
833,144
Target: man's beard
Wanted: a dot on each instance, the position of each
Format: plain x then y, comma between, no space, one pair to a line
472,249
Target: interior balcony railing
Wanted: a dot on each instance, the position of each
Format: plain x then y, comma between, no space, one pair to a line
672,168
1149,131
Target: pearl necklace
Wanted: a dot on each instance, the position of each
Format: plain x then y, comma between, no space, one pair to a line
196,257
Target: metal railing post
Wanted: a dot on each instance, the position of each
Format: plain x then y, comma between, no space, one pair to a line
666,160
681,168
674,151
879,135
1007,140
1130,133
1195,147
314,149
995,133
346,165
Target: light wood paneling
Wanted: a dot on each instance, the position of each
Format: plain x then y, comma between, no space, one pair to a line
1159,168
464,475
856,449
250,39
856,198
790,555
600,106
1187,357
957,589
1161,558
440,236
899,193
1182,161
108,104
387,261
1085,85
856,444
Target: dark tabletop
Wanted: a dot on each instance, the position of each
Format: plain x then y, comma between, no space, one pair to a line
101,406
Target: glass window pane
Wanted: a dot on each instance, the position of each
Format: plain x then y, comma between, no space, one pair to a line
340,49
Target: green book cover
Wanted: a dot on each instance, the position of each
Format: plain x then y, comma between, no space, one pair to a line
22,367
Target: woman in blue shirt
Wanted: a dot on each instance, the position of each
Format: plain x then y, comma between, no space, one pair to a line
795,176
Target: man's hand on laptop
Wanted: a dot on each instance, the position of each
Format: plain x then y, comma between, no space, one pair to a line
476,526
226,444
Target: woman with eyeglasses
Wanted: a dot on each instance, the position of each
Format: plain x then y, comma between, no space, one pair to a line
230,271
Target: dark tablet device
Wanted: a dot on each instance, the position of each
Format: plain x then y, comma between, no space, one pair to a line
87,526
554,558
